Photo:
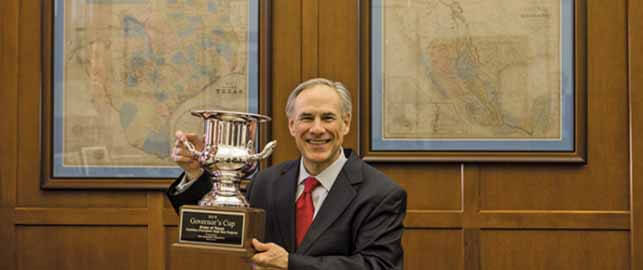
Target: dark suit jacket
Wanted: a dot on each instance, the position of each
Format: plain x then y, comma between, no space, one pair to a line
359,225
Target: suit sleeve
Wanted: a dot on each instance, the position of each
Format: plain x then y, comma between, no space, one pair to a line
378,243
192,195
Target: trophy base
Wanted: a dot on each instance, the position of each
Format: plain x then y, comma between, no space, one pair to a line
220,229
237,252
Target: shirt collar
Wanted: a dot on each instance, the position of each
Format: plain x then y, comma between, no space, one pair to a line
326,177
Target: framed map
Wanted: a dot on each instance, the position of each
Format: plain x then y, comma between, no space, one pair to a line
467,80
125,75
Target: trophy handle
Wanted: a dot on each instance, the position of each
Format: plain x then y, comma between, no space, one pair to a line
267,150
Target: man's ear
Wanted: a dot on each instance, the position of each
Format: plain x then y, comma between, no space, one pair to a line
347,123
291,126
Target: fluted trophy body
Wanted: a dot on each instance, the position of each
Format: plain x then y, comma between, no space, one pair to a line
229,154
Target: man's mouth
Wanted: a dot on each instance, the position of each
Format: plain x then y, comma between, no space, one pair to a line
317,141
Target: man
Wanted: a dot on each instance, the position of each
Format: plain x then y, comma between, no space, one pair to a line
327,210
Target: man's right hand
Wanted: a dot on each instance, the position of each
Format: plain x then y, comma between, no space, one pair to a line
182,156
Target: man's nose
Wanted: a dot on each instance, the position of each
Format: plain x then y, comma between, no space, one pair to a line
317,126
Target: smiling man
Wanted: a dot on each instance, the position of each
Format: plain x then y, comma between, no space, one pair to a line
326,210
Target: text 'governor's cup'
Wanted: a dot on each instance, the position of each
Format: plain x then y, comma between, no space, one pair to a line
223,220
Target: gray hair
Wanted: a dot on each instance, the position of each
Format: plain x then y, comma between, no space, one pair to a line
340,89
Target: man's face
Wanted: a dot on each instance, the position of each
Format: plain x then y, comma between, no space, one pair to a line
318,126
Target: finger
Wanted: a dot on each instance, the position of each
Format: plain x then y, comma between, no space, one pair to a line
179,134
194,138
259,246
181,151
191,136
183,159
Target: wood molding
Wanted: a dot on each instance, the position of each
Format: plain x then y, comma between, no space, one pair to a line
519,219
156,232
471,246
265,68
286,70
470,184
124,184
8,234
507,219
425,219
310,39
635,64
81,216
9,48
339,53
170,218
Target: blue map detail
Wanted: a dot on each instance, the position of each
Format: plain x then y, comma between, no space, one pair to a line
158,143
137,61
132,81
179,58
154,76
465,67
176,15
212,7
127,114
193,23
225,51
207,43
132,27
161,95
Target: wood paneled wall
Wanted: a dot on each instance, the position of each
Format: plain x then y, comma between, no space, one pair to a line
460,215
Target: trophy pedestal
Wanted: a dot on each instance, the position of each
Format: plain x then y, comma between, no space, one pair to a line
220,229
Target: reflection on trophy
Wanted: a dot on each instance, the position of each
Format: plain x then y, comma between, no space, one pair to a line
223,220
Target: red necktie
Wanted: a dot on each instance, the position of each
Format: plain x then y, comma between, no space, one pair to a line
305,208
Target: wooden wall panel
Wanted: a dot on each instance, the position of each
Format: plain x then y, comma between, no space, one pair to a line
190,259
81,247
553,187
576,187
287,60
635,44
339,52
429,186
8,128
433,249
310,39
8,100
554,250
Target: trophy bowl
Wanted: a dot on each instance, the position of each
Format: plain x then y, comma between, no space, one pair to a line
229,154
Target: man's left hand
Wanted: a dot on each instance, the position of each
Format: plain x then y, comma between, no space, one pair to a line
269,255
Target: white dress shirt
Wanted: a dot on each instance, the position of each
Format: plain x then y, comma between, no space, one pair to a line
326,179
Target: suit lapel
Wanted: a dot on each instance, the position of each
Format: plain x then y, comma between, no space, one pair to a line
339,198
285,205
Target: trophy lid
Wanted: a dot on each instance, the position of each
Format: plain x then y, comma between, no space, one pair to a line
231,116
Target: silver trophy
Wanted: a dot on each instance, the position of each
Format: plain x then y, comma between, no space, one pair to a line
229,154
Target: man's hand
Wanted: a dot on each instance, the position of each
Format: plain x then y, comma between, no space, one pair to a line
269,256
183,157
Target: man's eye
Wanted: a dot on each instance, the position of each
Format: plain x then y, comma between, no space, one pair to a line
328,118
